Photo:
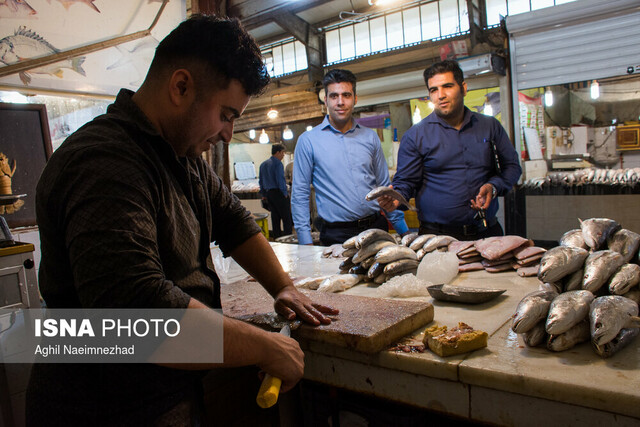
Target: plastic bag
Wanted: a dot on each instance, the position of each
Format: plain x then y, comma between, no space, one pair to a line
438,267
221,263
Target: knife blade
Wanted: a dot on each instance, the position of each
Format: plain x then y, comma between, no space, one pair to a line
270,387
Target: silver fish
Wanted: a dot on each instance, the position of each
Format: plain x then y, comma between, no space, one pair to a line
624,337
533,308
535,336
626,243
573,281
394,253
24,44
358,269
350,242
375,270
395,267
373,235
380,279
419,241
567,310
408,238
370,250
438,242
368,262
16,9
596,231
340,282
625,278
576,335
559,262
609,314
310,282
349,252
574,239
389,192
599,267
420,254
633,295
346,264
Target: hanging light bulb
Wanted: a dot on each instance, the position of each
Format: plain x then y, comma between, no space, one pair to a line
416,115
595,90
488,110
309,128
264,138
287,133
272,113
252,134
548,97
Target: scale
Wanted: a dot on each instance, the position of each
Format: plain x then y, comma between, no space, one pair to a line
6,238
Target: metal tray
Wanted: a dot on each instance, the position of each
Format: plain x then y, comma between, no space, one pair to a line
463,294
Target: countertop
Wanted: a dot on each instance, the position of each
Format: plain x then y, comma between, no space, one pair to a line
506,383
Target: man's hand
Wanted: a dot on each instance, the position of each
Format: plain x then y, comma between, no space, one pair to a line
483,198
389,204
292,303
284,360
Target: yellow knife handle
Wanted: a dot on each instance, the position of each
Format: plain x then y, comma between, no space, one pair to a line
269,391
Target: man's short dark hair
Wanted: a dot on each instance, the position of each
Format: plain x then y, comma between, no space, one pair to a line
276,148
214,50
445,66
339,76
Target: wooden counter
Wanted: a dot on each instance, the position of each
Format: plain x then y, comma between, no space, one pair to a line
506,383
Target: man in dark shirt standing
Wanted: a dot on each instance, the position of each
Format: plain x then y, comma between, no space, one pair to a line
273,187
127,208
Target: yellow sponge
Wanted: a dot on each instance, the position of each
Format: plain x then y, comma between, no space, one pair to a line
458,340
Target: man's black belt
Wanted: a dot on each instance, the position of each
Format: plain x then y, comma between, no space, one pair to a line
466,230
362,223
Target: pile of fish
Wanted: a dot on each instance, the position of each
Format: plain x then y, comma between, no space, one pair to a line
623,177
590,291
496,254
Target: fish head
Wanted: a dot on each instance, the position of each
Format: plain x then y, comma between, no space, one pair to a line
600,332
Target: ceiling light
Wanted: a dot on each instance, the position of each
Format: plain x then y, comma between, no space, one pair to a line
595,90
272,113
264,138
416,115
548,97
488,110
287,133
309,128
252,134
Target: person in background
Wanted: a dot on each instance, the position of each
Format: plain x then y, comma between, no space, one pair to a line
448,162
273,187
344,161
127,208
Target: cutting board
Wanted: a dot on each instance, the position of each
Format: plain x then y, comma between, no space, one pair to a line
364,324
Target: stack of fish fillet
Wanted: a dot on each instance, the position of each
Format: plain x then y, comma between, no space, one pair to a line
589,292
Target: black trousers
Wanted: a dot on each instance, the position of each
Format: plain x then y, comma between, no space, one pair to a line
280,211
491,231
330,235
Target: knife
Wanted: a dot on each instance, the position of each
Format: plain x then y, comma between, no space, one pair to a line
270,387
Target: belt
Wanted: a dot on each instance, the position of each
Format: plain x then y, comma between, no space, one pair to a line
362,223
466,230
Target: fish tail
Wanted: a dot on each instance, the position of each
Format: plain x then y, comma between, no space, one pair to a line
76,65
25,77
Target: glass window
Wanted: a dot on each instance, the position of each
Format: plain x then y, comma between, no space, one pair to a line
378,34
449,18
518,6
268,62
495,8
430,21
412,27
363,42
289,58
464,15
301,56
347,43
541,4
333,45
395,34
278,64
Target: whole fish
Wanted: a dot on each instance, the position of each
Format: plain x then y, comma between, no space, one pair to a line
16,9
438,242
625,278
373,235
358,269
420,254
400,266
368,262
419,241
567,310
389,192
574,239
375,270
370,250
310,282
533,308
535,336
25,44
599,267
626,243
559,262
633,295
340,282
350,242
68,3
380,279
596,231
346,264
609,314
576,335
573,281
408,238
624,337
348,252
394,253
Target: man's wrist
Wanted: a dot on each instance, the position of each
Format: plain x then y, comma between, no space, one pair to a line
494,191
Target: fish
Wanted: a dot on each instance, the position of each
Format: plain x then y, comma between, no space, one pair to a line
348,252
358,269
573,281
625,242
559,262
576,335
389,192
25,44
625,278
599,267
68,3
395,267
380,279
596,231
574,239
350,242
634,295
420,254
373,235
408,238
310,282
368,262
533,308
375,270
438,242
370,250
271,320
609,314
567,310
624,337
419,241
394,253
16,9
535,336
340,282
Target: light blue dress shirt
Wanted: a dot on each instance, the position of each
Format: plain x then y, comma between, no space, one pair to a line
343,168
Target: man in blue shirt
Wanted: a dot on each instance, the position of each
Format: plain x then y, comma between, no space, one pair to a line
448,162
273,188
343,161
